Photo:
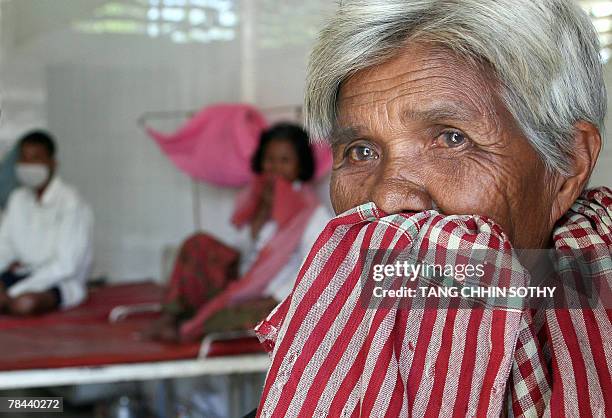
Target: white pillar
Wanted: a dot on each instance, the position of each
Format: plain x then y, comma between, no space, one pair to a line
248,46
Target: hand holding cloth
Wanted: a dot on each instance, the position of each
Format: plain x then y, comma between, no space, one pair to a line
333,355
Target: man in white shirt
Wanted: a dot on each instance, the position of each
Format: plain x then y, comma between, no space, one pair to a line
45,236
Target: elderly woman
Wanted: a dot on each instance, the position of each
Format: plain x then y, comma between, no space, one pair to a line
470,124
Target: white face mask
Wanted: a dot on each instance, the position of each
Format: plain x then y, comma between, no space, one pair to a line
32,175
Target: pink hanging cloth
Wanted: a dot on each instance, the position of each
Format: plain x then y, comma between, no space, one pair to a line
217,143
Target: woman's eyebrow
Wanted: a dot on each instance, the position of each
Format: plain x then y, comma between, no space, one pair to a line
344,135
435,114
440,113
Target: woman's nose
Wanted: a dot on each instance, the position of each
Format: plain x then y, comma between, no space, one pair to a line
270,167
276,169
395,192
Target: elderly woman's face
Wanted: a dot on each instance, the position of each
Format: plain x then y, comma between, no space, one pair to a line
427,130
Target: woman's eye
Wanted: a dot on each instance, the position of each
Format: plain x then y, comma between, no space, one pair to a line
453,139
362,153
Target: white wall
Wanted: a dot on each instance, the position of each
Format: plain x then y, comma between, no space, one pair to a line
141,201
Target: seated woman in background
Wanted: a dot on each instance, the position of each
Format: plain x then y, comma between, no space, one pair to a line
279,217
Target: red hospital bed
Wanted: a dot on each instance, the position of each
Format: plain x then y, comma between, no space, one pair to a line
82,342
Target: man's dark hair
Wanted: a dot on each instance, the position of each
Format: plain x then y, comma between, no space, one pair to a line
296,136
41,138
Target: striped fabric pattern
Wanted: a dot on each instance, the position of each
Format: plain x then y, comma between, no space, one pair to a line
333,355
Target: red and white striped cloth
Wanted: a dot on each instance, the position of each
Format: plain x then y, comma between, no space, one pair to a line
334,356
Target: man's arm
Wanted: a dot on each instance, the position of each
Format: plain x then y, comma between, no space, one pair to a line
7,251
73,248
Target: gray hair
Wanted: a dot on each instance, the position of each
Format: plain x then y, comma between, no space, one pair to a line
544,54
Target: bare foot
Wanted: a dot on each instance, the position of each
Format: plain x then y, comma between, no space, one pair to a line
163,329
33,304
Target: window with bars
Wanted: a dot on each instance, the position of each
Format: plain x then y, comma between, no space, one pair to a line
216,20
601,15
181,21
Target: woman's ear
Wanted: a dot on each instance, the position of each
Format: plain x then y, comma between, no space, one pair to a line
587,145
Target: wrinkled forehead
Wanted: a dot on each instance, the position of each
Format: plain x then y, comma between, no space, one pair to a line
421,81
